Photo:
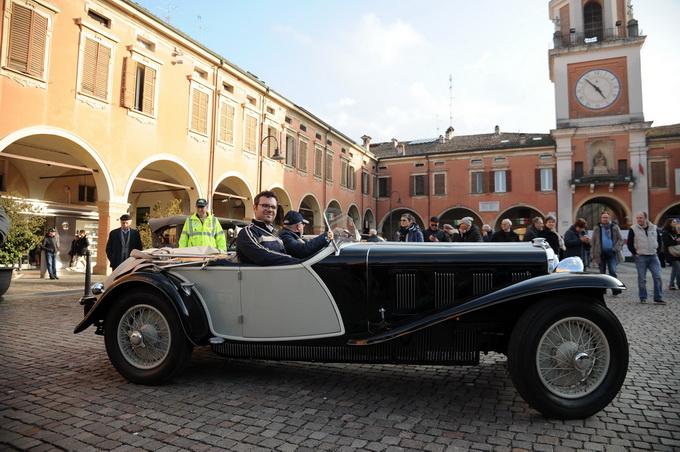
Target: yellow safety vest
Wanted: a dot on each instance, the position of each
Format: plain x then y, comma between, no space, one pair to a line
208,232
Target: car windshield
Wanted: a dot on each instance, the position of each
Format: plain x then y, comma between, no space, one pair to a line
343,225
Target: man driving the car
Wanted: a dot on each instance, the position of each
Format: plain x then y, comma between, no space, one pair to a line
258,243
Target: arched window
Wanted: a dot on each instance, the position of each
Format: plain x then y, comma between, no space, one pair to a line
592,19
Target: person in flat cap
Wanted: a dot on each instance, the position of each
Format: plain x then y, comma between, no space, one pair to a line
202,229
433,233
468,231
293,242
122,241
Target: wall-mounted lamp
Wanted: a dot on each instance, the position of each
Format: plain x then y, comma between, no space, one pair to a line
177,62
618,23
277,153
572,30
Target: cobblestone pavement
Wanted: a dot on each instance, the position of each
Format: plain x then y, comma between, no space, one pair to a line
58,391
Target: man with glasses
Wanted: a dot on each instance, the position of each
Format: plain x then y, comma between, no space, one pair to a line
258,243
434,234
202,229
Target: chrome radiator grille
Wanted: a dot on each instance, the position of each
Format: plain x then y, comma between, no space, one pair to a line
444,285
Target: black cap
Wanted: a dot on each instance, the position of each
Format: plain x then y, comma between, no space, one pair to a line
125,217
200,202
294,217
434,219
51,230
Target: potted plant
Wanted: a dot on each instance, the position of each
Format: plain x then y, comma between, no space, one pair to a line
22,238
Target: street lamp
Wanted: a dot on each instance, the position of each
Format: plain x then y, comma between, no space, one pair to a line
399,201
277,157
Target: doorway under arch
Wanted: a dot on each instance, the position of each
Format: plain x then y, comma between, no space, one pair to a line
592,209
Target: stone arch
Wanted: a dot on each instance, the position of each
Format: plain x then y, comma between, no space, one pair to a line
285,203
590,208
355,214
163,177
453,216
44,144
311,210
232,196
389,224
521,216
369,220
671,210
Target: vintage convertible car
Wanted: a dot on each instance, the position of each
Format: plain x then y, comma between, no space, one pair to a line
412,303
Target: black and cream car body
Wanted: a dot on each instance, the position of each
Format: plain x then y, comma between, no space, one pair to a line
412,303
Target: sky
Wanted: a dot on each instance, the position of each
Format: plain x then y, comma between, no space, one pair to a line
408,70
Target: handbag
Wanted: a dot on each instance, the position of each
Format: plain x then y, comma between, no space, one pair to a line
674,250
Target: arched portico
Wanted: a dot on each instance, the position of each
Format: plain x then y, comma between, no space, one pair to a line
591,208
310,208
521,217
232,197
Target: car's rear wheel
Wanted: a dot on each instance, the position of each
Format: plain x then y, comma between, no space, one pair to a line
144,338
568,358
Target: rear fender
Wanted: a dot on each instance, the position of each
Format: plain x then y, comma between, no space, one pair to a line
189,309
594,284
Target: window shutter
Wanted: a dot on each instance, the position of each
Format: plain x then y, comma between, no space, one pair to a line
412,185
89,67
27,41
426,185
251,125
102,77
199,112
149,87
657,175
554,179
302,158
388,187
127,97
537,179
318,155
473,182
329,166
489,181
439,184
508,181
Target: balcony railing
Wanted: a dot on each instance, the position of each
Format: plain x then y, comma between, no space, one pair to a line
621,177
561,40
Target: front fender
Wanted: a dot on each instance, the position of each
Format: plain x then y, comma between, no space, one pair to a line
541,285
189,309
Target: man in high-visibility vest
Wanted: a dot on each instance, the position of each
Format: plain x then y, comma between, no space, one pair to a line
202,229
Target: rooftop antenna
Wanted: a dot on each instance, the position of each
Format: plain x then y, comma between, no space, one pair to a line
167,11
200,28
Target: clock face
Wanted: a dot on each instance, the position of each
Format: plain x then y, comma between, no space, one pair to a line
597,89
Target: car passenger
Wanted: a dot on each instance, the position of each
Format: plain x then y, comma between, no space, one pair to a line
258,243
294,243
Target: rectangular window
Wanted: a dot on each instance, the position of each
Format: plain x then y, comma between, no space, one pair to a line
343,172
329,166
139,85
27,41
199,112
478,182
227,123
290,150
622,167
249,142
364,182
95,70
440,184
302,156
384,187
578,170
499,182
87,193
657,175
547,183
418,185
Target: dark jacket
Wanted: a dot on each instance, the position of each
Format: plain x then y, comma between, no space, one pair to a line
257,244
116,251
298,247
552,238
50,244
531,234
670,237
501,236
574,244
472,235
439,233
410,234
82,244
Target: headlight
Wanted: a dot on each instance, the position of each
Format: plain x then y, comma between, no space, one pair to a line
570,264
98,288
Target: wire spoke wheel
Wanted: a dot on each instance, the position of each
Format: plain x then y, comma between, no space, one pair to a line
573,357
144,336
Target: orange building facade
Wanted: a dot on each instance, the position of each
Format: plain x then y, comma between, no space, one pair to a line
108,110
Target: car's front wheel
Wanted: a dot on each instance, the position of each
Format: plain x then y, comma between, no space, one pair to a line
144,338
568,358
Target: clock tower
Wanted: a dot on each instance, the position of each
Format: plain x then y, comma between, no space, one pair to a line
601,148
